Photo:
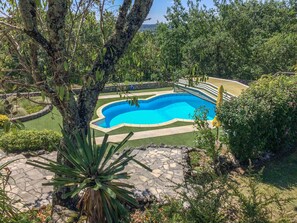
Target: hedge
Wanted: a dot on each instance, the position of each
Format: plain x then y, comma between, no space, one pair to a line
30,140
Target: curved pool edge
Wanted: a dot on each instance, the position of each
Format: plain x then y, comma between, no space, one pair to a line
101,117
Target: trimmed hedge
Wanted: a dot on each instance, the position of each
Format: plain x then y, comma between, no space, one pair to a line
30,140
262,119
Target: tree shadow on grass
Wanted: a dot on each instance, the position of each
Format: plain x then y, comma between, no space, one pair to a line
282,173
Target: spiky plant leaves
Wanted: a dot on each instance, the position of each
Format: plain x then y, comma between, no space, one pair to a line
96,175
6,208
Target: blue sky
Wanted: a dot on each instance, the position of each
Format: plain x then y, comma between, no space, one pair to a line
159,9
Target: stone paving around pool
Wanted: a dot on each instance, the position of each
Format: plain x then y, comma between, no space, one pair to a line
167,164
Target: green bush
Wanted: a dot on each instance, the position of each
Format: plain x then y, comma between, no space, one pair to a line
29,140
262,119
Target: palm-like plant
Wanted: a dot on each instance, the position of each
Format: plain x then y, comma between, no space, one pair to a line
96,176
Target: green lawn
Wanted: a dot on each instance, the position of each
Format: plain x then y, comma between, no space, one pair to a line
139,129
185,139
280,176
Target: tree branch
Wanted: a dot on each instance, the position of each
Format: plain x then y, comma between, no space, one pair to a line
28,12
11,26
122,15
56,17
126,28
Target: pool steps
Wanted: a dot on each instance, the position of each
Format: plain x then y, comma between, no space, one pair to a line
202,89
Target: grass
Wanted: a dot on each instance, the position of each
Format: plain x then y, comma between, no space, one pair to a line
185,139
139,129
280,176
229,86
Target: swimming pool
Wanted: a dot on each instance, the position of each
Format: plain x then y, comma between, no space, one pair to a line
153,111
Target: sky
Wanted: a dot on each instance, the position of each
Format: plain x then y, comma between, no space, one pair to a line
159,9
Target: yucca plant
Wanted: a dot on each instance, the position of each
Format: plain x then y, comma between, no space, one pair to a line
6,208
96,176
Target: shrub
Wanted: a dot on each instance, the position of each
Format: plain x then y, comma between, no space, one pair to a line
30,140
262,119
3,119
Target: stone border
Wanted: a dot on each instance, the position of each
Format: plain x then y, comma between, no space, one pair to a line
111,88
47,109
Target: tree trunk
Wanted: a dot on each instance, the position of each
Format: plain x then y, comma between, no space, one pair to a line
76,113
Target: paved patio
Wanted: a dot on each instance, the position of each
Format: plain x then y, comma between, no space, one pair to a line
167,164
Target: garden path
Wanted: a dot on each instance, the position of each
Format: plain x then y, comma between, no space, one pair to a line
167,164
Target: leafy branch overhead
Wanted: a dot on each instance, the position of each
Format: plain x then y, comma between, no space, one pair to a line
48,37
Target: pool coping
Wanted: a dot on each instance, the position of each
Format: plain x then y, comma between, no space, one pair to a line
101,117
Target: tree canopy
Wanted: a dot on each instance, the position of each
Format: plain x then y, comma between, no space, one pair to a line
235,39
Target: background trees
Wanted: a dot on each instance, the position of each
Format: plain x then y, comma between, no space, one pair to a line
239,40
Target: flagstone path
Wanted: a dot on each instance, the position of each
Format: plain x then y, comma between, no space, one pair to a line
167,164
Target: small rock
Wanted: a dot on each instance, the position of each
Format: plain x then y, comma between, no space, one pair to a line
144,198
186,205
48,177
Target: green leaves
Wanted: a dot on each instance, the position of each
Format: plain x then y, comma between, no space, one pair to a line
94,170
6,207
63,92
261,119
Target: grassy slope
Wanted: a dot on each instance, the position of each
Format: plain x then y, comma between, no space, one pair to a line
280,176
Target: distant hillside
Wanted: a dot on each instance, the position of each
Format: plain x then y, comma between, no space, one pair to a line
148,27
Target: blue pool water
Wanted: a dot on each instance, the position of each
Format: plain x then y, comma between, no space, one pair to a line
157,110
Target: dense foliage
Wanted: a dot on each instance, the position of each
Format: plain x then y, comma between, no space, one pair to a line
263,118
235,39
29,140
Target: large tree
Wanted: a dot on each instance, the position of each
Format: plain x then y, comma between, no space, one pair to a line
45,37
